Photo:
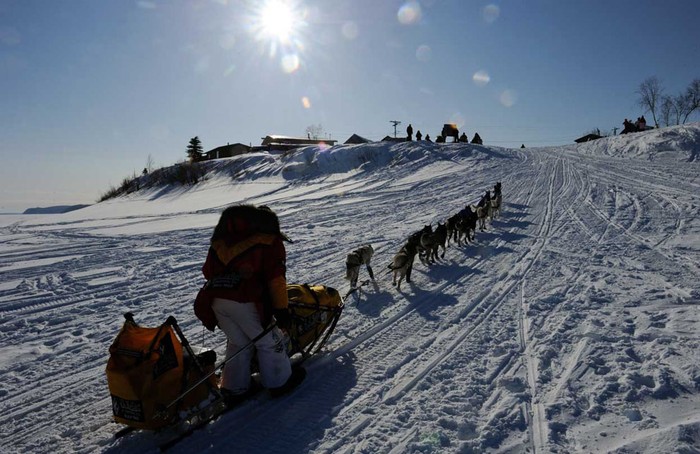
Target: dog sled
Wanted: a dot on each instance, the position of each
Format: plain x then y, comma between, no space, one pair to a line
157,381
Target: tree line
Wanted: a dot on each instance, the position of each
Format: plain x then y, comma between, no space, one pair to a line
668,110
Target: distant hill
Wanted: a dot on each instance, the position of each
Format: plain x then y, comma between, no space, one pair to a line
58,209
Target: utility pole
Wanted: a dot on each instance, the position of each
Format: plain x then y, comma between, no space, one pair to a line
615,130
395,123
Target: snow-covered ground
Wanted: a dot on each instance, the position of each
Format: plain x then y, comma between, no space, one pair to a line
570,325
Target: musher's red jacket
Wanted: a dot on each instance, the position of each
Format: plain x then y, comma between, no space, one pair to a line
250,270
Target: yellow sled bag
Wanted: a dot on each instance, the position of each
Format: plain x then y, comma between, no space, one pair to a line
315,310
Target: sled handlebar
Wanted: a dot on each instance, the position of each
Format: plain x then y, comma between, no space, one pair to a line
220,365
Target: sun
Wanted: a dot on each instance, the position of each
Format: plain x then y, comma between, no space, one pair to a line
277,21
278,26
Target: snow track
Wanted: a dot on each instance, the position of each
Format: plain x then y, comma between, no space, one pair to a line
566,316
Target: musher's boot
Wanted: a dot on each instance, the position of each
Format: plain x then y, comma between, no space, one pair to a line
298,375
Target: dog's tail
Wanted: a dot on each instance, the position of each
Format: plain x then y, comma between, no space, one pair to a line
393,266
398,262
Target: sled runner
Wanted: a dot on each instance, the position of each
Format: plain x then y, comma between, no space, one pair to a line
156,381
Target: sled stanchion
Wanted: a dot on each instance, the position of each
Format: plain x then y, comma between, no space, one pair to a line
195,360
322,333
331,328
185,343
220,365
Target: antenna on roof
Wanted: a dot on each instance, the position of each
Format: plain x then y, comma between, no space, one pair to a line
395,123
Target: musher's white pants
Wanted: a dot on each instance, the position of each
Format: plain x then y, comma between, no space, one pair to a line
241,323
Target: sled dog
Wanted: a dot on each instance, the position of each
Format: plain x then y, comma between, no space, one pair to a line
495,206
466,225
402,264
355,259
428,242
451,226
433,241
481,214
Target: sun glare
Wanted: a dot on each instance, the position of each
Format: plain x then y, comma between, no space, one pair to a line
278,26
277,20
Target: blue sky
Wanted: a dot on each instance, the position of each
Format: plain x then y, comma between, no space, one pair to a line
91,88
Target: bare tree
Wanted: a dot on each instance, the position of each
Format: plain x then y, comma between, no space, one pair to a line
676,110
680,104
150,162
314,131
692,99
650,92
665,110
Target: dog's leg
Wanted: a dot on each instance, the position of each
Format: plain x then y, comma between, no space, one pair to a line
354,275
421,255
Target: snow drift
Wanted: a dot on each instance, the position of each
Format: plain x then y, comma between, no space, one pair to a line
569,325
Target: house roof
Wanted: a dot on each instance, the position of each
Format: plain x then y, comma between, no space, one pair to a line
357,139
587,138
227,146
287,140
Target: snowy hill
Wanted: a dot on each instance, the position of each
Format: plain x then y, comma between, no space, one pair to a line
675,143
570,325
54,209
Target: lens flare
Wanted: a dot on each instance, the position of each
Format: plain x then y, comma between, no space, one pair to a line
508,98
424,53
491,13
481,78
306,102
230,70
290,63
146,5
409,13
349,30
458,119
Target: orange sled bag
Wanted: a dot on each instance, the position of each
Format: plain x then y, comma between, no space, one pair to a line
147,371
